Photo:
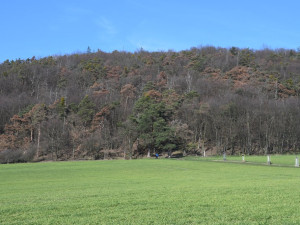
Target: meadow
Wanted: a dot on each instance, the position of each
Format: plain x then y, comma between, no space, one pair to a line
149,191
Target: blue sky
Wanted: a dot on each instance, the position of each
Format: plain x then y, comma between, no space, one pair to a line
42,28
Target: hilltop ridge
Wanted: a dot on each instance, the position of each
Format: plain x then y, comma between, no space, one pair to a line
104,105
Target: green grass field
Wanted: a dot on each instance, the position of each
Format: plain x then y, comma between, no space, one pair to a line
149,191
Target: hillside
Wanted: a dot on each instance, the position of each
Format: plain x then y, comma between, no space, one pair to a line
104,105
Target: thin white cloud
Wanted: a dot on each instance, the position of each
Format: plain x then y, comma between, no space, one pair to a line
107,26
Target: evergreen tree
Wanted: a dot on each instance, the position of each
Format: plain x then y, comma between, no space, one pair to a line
86,110
152,117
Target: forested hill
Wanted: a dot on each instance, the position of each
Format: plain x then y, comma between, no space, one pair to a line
120,104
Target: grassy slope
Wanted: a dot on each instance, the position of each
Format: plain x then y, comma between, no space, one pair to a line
148,192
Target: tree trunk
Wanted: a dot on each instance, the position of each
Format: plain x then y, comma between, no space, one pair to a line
188,80
267,142
31,135
248,133
199,143
125,109
226,58
203,148
38,141
282,144
203,140
130,148
276,89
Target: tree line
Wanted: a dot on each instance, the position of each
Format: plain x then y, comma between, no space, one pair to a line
99,105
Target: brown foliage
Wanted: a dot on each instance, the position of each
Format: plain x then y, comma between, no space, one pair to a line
153,94
114,72
128,90
213,72
284,92
162,79
100,93
17,133
100,116
97,86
